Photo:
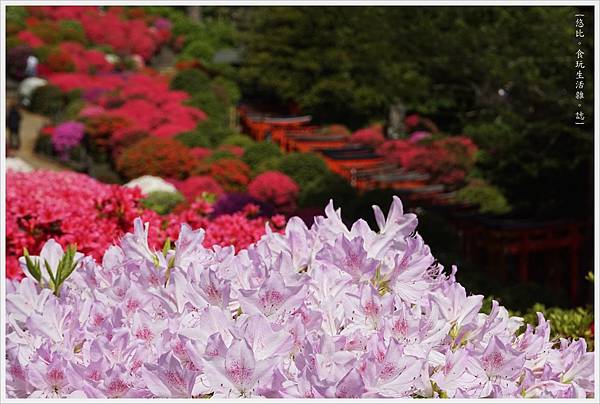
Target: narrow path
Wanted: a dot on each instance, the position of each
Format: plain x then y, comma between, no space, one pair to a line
30,127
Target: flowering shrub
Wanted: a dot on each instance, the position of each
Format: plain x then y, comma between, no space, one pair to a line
74,208
320,312
155,156
142,99
127,36
232,174
71,208
277,189
201,153
102,127
30,39
196,185
59,61
447,159
66,136
372,136
88,61
419,135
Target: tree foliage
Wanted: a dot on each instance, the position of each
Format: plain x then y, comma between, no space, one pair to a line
503,75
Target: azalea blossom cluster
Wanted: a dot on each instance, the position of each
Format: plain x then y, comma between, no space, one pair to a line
447,160
326,311
126,35
75,208
143,99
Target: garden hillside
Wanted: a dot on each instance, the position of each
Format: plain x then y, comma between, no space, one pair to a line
288,202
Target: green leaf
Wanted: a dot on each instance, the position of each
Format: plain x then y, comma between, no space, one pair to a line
52,276
166,247
34,268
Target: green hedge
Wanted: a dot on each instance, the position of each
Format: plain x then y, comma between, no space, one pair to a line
162,202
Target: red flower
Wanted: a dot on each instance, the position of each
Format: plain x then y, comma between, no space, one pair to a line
412,120
156,156
372,137
194,186
232,174
277,189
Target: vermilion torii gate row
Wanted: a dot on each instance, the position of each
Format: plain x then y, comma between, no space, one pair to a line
367,170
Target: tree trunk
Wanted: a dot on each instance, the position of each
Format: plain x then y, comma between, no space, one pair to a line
195,13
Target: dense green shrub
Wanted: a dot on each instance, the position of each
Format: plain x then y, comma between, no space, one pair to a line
226,90
105,173
304,168
16,15
193,139
269,164
259,152
564,323
214,130
318,192
191,81
72,109
198,49
162,202
487,197
47,100
238,140
208,102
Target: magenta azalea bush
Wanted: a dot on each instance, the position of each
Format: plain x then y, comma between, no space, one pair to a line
324,311
66,136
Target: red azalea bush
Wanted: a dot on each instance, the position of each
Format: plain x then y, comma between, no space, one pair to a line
88,61
371,136
156,156
196,185
201,153
447,159
31,39
126,34
123,138
59,61
277,189
232,174
144,100
237,151
74,208
100,129
69,207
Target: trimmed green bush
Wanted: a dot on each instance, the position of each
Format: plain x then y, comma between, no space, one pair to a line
268,164
191,81
193,139
214,130
318,192
304,168
242,141
47,100
487,197
162,202
226,90
259,152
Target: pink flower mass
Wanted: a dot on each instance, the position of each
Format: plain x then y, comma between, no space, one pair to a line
323,312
